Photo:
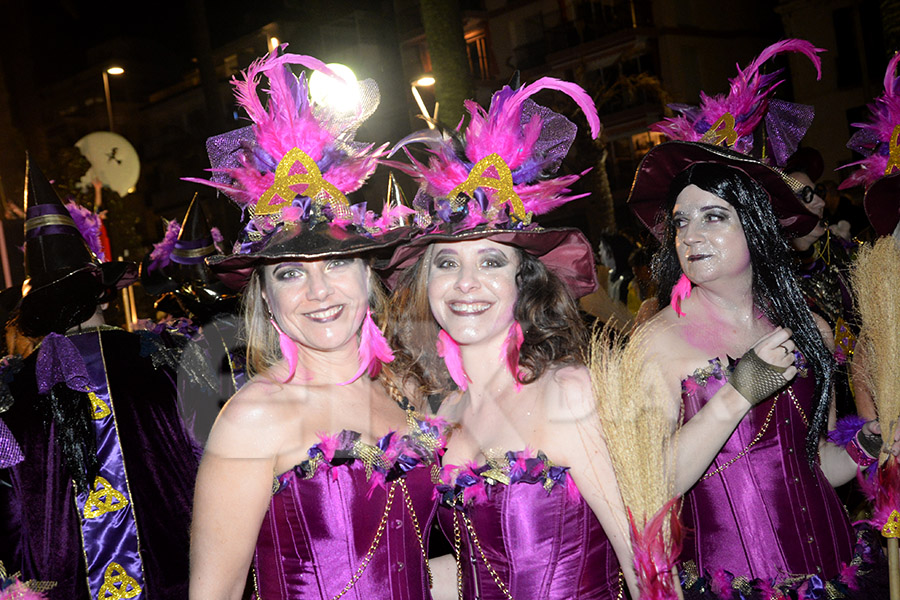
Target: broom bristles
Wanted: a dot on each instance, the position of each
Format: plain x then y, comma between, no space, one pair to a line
876,284
638,430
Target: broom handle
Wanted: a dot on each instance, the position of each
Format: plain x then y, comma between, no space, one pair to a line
894,567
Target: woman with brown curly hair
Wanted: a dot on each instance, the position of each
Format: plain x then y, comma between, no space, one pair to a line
484,320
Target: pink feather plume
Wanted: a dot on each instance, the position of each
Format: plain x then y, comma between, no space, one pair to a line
290,120
373,350
448,349
509,352
20,591
746,100
883,491
885,115
680,291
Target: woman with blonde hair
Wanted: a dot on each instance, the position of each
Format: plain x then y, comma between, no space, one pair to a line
312,473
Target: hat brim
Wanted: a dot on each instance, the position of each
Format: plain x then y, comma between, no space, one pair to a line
882,204
565,251
302,244
664,162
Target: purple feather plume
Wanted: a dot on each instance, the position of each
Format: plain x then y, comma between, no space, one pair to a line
89,225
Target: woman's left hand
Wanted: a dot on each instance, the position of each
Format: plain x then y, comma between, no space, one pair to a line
872,430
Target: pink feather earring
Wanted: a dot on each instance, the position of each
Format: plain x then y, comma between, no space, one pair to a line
509,352
448,349
373,349
288,350
680,291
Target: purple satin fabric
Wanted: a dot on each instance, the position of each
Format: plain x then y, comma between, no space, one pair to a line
39,524
767,515
317,532
541,545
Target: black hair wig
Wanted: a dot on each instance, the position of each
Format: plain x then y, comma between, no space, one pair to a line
776,291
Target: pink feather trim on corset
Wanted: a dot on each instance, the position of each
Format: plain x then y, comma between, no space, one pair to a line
680,291
509,352
448,349
328,444
18,591
373,350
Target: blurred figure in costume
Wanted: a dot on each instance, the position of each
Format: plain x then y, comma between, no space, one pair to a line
762,517
825,261
483,319
879,172
100,465
201,326
330,475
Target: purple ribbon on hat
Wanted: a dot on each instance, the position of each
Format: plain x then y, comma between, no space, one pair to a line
60,362
786,124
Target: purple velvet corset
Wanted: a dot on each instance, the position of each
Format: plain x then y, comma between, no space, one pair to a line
760,511
329,520
524,517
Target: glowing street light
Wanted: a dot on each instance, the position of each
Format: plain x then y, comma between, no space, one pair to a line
340,94
113,70
424,81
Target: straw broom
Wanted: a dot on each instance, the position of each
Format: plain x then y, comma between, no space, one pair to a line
640,438
876,283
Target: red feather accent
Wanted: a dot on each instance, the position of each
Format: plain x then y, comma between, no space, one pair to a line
883,491
654,558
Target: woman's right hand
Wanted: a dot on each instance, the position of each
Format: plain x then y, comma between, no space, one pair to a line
767,367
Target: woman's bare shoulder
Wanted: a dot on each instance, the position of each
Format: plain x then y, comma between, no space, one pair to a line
252,423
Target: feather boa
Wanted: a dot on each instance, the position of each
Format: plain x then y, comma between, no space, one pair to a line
88,224
162,251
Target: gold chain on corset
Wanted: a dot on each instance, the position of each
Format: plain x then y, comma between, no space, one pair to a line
762,431
457,539
375,543
797,406
742,453
415,521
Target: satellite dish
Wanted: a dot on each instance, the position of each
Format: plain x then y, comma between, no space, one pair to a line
113,159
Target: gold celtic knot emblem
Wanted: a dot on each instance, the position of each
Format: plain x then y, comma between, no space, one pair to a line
118,584
502,182
722,130
894,160
103,499
99,408
891,529
316,187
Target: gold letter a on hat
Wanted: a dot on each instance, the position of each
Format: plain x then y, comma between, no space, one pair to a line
316,186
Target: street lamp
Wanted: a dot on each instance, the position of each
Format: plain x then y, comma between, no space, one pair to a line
340,94
113,70
424,81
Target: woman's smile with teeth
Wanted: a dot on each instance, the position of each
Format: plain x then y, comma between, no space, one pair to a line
469,307
325,315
